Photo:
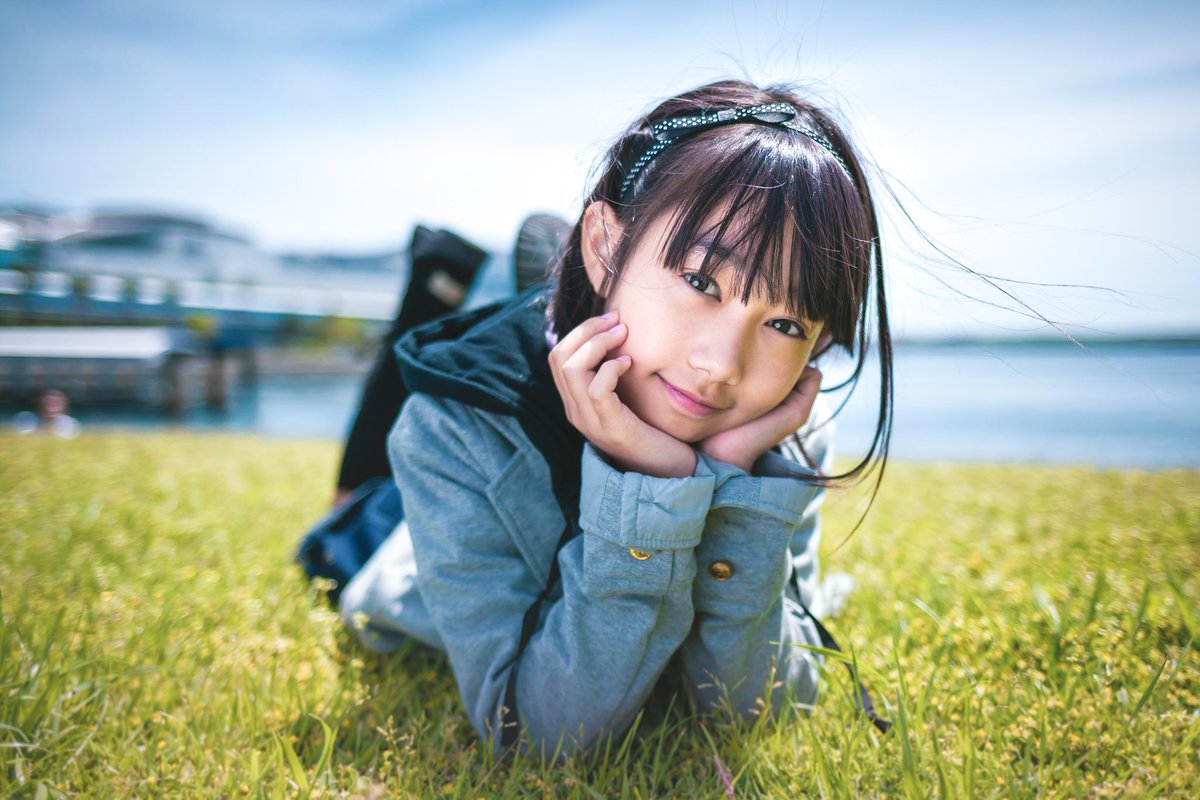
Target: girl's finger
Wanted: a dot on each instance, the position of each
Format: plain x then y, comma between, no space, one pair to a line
604,385
805,392
587,329
810,381
574,376
610,414
563,361
580,368
599,400
575,352
594,351
793,412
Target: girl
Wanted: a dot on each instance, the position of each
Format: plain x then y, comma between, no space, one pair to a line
614,479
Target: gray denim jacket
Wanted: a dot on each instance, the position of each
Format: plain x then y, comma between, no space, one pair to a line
698,566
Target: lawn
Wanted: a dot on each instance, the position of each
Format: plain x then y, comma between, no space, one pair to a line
1030,630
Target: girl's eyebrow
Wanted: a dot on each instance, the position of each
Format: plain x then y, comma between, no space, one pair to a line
709,244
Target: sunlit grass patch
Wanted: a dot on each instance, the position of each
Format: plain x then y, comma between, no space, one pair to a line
1029,630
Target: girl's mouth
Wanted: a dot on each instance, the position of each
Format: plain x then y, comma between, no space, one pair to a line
687,403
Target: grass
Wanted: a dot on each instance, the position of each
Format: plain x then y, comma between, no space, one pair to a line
1030,630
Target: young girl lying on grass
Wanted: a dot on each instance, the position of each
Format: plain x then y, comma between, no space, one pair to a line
611,483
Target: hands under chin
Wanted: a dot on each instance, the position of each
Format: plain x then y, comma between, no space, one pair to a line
745,444
587,382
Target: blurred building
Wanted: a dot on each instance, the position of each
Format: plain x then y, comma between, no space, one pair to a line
365,272
153,368
158,268
28,224
134,245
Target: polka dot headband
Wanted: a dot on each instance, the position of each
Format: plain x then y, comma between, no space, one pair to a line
668,131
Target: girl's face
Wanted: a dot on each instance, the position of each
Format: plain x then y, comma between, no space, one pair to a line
703,362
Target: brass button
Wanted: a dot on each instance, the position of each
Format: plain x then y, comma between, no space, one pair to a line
640,555
721,570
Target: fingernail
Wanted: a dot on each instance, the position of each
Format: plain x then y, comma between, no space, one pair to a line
609,315
620,326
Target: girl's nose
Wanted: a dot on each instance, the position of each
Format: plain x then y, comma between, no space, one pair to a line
719,352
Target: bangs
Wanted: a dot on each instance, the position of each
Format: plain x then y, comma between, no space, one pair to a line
775,209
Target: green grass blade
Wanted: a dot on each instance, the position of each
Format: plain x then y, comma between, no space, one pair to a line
836,655
326,746
1146,694
297,771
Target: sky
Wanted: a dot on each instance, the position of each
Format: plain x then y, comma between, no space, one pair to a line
1042,143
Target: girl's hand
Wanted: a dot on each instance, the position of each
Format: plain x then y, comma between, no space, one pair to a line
743,445
587,383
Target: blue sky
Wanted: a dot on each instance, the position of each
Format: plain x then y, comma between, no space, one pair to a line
1054,142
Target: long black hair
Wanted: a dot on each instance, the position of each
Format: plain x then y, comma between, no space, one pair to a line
761,191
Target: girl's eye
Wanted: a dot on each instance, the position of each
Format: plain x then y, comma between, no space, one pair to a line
788,327
702,284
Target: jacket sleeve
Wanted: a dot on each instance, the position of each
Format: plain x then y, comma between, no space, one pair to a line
742,651
601,644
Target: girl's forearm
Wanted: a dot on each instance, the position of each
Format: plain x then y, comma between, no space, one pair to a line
742,648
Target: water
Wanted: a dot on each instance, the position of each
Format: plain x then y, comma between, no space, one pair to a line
1117,405
1120,405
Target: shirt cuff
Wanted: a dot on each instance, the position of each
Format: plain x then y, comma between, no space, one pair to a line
778,489
642,511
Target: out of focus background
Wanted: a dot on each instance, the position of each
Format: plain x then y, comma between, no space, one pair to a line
204,207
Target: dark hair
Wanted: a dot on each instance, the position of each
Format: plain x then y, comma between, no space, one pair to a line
788,186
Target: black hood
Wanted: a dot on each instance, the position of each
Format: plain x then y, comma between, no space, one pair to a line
494,358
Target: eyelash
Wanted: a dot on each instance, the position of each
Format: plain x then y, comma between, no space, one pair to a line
702,284
694,280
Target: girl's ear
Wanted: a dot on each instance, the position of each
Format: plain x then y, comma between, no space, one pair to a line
600,235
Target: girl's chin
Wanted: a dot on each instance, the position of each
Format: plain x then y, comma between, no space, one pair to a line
686,430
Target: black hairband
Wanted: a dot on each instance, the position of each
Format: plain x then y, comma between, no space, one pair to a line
672,129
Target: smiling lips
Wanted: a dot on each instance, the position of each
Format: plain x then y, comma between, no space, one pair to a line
688,403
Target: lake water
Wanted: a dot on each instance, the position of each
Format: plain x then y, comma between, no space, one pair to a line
1118,405
1113,405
